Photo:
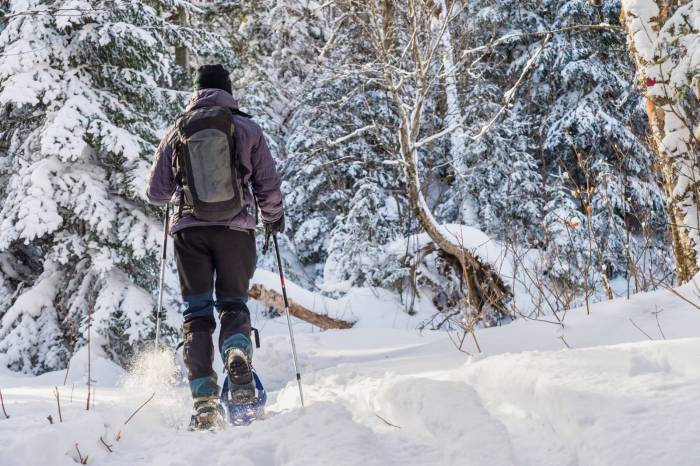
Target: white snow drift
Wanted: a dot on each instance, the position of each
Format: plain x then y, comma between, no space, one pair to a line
382,394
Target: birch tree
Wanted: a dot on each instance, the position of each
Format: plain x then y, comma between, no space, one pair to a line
664,40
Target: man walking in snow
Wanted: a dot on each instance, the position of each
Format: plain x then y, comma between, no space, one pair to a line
208,164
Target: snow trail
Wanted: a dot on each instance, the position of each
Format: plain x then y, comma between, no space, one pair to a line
382,396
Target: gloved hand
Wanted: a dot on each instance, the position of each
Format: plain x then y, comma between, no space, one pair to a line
275,227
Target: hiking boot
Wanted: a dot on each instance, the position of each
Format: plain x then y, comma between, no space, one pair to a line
240,377
208,414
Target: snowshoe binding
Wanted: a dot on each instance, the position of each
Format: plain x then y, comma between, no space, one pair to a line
208,415
243,396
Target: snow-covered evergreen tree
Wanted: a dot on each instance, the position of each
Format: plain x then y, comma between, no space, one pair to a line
356,246
85,89
326,159
593,129
576,104
577,114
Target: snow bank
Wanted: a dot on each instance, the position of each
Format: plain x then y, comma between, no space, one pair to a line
470,238
384,395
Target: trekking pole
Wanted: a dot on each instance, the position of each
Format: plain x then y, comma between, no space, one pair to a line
163,250
289,320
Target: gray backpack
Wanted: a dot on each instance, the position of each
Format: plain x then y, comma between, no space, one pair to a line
207,165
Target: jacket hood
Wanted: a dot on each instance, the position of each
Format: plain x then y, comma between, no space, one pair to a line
211,98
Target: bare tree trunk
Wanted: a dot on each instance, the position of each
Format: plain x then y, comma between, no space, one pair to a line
427,25
485,285
454,115
673,139
181,52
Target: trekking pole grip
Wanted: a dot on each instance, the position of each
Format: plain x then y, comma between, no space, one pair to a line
266,245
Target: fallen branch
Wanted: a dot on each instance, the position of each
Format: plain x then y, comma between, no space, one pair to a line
50,419
2,403
274,299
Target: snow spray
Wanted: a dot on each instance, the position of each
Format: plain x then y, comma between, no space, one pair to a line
156,371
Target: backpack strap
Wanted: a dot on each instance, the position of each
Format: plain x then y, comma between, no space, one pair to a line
235,111
177,163
238,112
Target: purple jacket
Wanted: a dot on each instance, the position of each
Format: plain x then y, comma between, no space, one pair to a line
257,167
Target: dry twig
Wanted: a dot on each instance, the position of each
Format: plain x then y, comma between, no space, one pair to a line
2,403
58,402
80,456
640,329
658,324
675,292
108,447
119,434
387,422
89,328
65,378
139,408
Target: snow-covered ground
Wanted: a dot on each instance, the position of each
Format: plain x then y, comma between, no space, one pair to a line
383,394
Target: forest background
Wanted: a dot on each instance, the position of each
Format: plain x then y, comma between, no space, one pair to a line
408,135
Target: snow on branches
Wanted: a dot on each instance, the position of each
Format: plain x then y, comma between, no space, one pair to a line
85,87
665,41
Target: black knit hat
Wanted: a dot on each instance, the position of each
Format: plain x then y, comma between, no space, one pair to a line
212,77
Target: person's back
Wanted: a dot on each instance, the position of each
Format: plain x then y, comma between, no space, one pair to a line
213,231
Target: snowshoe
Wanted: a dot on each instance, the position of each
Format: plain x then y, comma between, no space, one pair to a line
240,377
209,414
242,414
